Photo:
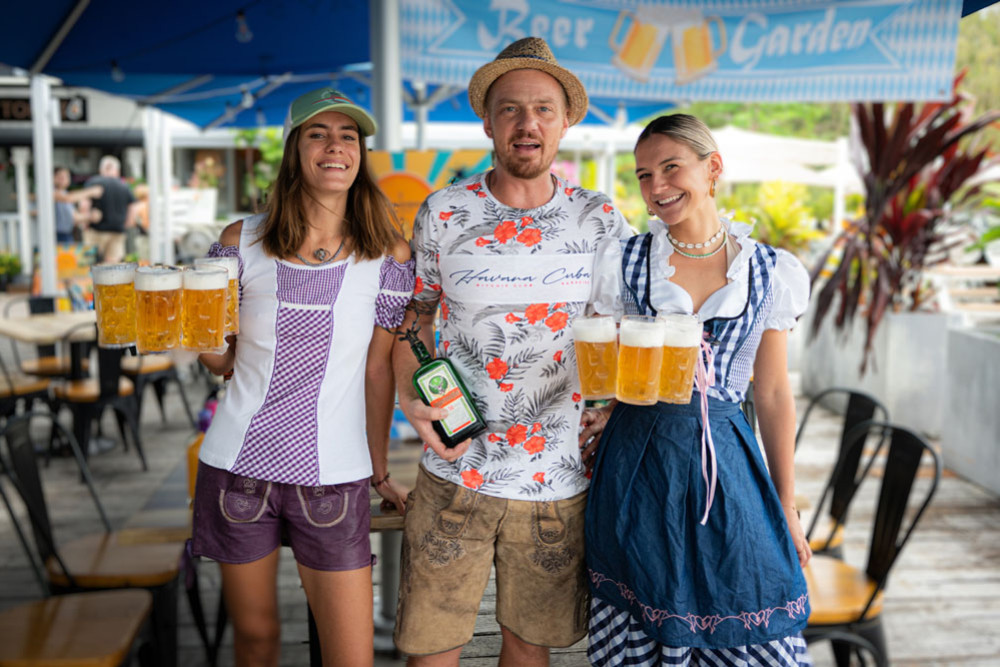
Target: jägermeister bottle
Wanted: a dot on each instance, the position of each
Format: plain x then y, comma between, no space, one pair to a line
439,385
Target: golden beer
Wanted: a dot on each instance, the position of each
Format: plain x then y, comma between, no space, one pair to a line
681,344
158,308
595,340
640,354
232,265
203,308
114,303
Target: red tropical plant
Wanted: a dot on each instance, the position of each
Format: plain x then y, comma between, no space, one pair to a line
915,172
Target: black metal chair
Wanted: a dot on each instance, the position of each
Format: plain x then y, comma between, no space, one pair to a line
847,602
88,398
99,561
16,389
860,408
156,370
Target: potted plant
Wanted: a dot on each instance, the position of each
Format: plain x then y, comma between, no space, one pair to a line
914,169
10,268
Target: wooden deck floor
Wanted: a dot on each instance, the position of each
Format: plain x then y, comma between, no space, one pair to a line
942,605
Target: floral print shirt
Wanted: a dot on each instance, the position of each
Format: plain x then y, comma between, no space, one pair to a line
509,282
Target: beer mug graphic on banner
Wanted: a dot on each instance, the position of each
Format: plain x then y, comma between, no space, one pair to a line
637,43
692,44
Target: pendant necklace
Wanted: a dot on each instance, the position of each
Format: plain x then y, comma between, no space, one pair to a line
320,254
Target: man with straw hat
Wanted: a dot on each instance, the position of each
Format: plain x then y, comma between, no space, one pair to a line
507,255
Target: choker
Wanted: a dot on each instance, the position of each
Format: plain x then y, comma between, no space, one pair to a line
704,244
692,255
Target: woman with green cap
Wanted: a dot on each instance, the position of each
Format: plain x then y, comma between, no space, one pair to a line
303,429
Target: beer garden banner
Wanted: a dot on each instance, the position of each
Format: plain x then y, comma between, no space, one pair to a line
736,50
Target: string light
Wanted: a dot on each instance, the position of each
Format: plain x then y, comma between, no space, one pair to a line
117,75
243,33
261,117
246,100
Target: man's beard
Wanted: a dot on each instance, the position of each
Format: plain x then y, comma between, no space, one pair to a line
524,169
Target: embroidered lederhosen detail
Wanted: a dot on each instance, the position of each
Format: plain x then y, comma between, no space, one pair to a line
321,509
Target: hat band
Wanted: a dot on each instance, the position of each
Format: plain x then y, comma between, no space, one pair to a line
544,60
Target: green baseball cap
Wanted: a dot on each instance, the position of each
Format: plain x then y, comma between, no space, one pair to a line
327,99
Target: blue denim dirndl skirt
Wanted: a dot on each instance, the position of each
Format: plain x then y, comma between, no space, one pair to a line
734,581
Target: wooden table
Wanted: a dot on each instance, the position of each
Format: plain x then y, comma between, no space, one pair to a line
52,328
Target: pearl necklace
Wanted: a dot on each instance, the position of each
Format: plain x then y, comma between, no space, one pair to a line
692,255
704,244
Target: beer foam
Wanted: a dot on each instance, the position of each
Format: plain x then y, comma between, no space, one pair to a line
157,279
231,264
682,331
641,334
205,278
594,329
112,274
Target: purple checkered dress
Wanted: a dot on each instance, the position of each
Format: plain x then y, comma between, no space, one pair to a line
294,411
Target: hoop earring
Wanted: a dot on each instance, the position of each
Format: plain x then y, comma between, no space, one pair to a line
711,191
650,211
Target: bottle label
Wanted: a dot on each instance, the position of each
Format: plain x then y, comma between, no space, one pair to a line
442,390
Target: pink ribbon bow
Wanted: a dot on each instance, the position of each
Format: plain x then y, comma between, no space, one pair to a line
704,378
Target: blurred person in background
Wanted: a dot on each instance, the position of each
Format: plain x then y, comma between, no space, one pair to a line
117,211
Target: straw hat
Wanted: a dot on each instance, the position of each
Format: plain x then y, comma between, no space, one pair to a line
528,53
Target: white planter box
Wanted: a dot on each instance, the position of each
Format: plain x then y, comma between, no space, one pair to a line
907,371
970,433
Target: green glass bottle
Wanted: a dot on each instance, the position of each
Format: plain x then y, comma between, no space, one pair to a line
439,385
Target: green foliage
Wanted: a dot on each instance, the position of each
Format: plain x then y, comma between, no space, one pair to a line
782,218
979,53
790,119
262,164
10,264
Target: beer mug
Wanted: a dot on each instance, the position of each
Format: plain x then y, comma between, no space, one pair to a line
681,345
158,308
640,45
596,355
114,302
232,265
640,354
692,43
203,308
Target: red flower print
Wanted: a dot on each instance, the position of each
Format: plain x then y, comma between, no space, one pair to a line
444,215
505,231
497,368
426,446
539,477
474,186
529,236
480,193
534,444
589,473
435,287
444,311
527,220
472,479
446,344
418,287
511,318
493,437
557,356
481,241
556,321
536,427
536,311
576,397
557,306
516,434
506,386
608,208
569,191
